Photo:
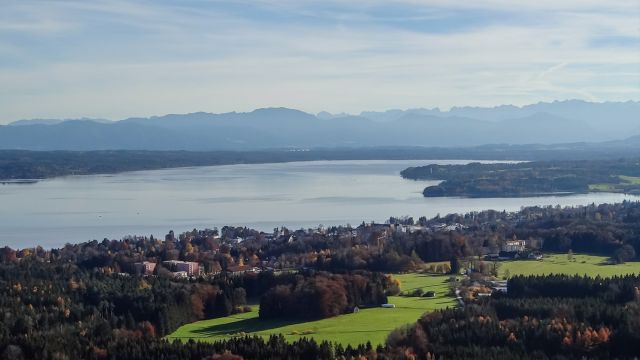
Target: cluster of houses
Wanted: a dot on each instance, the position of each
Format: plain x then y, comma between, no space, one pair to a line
185,269
410,228
380,232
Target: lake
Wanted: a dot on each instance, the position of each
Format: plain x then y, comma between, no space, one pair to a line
262,196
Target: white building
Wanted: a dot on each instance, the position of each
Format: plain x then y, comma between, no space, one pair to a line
514,246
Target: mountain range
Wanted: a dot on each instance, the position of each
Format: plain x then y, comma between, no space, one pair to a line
543,123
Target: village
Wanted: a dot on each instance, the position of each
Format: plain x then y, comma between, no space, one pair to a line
235,251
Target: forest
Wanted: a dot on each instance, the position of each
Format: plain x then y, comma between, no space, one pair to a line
323,296
54,311
61,310
540,317
23,164
529,178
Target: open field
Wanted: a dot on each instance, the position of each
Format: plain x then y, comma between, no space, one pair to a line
372,324
610,187
635,180
603,187
581,264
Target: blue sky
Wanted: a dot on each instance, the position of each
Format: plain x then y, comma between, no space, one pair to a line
114,59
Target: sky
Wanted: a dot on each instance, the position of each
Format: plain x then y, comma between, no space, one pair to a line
116,59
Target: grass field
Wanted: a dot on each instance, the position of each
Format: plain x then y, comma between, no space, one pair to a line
609,187
603,187
630,179
373,324
559,264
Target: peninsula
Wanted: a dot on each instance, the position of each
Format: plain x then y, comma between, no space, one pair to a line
529,178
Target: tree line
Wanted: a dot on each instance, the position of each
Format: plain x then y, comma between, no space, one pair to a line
540,317
529,178
24,164
324,295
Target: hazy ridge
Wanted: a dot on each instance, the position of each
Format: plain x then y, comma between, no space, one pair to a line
543,123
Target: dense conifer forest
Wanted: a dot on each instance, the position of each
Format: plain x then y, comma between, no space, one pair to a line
541,317
530,178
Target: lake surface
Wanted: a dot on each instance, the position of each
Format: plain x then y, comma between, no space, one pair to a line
262,196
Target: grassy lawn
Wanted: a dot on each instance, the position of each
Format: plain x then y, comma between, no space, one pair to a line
559,264
607,187
603,187
630,179
373,324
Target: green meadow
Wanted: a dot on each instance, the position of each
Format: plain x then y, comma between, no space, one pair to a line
580,264
635,180
374,324
612,187
370,324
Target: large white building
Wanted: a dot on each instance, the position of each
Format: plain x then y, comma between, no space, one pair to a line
514,246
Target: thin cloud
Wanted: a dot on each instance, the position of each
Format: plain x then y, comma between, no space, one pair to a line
113,59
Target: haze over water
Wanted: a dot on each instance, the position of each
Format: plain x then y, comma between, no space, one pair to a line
262,196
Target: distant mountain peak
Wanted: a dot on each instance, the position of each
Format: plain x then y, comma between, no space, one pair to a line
53,121
35,122
324,115
276,109
280,127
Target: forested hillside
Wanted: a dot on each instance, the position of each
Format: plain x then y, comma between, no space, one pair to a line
23,164
539,318
530,178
